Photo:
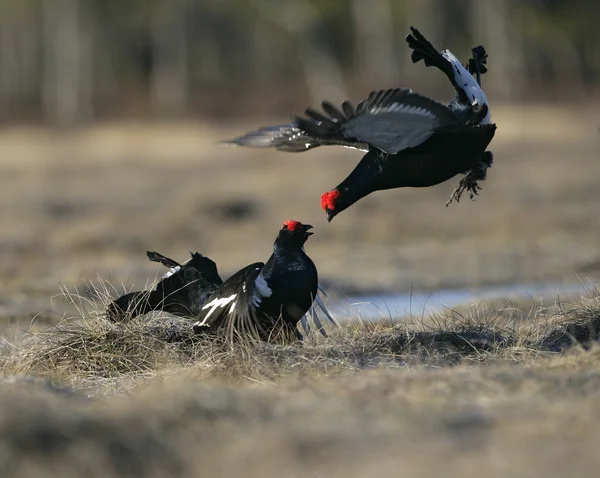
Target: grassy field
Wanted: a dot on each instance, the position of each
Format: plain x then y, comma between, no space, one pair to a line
485,390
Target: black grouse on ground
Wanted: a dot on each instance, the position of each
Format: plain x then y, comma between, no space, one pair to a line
186,288
267,300
182,291
410,140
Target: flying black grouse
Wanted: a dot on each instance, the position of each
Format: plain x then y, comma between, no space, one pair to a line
182,291
410,140
267,300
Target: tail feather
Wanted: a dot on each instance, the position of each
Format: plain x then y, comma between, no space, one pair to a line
305,325
325,310
318,303
477,64
318,323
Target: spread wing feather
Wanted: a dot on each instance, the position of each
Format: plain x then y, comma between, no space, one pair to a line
391,120
231,308
394,120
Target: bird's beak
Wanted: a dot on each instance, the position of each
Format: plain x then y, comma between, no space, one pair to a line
329,214
307,227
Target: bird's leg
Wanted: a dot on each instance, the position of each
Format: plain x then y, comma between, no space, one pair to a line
469,182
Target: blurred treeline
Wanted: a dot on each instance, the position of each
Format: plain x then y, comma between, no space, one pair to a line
68,61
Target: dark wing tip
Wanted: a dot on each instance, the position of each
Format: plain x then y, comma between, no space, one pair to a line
333,111
416,56
154,256
349,109
414,31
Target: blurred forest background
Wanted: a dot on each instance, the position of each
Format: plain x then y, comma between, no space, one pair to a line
111,113
66,62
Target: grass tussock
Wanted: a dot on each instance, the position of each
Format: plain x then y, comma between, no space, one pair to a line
88,351
467,389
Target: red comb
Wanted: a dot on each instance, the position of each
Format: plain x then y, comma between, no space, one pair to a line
292,225
328,200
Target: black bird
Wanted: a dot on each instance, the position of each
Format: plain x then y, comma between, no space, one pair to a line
267,300
182,291
410,140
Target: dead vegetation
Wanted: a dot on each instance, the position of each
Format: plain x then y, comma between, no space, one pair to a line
89,351
463,393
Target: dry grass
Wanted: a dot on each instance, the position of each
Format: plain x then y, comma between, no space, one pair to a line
88,350
471,393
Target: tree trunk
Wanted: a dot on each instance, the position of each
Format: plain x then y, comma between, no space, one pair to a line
169,82
427,17
8,60
491,26
374,42
322,72
66,88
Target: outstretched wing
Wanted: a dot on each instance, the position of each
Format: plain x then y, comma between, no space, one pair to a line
391,120
286,137
394,120
186,286
233,306
181,291
291,138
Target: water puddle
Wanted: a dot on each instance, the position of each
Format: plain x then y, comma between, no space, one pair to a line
386,306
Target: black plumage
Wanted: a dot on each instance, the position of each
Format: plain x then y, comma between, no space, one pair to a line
410,140
182,291
267,300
